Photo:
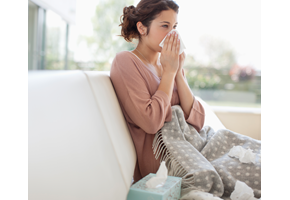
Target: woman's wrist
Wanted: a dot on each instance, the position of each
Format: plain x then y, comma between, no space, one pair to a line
179,75
169,73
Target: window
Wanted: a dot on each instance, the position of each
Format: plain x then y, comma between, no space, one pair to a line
32,35
223,50
55,41
222,40
48,34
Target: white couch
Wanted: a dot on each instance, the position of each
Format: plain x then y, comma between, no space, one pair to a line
79,146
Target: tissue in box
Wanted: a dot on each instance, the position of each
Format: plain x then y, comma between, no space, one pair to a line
169,191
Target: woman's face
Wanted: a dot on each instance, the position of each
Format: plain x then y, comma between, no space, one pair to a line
160,26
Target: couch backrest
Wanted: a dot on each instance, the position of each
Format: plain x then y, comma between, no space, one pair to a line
79,146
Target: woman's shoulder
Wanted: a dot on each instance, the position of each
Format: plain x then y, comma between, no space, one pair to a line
124,58
123,55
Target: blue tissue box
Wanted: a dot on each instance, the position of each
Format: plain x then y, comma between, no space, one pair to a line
169,191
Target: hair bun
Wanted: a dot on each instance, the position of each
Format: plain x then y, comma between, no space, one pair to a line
129,10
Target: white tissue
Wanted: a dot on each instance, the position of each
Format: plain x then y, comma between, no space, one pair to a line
242,192
160,178
182,46
244,156
199,195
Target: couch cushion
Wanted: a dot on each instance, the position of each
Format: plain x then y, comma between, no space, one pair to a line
210,117
114,122
71,154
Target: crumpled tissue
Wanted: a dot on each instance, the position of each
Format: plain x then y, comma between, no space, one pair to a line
244,155
242,192
182,46
160,178
199,195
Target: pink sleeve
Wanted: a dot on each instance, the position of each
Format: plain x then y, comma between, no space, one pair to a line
197,114
146,111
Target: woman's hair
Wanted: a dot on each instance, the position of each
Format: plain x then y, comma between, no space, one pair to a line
145,12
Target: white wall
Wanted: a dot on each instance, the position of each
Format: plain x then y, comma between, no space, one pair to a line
246,123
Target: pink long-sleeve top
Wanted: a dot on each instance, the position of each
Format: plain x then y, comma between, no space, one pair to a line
145,108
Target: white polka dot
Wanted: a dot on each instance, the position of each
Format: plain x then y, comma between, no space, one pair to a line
256,182
256,174
198,180
238,173
247,174
208,185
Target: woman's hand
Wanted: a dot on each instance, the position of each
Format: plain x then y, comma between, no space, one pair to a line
169,58
180,64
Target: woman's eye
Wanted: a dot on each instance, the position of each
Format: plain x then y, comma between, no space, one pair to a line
166,26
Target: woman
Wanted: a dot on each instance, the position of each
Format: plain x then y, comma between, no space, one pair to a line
150,79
